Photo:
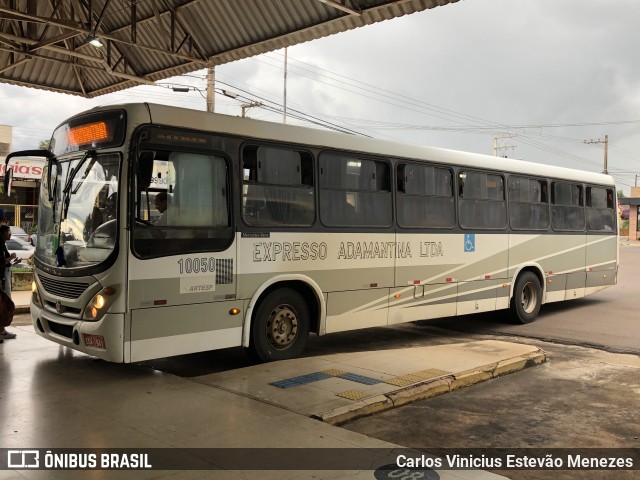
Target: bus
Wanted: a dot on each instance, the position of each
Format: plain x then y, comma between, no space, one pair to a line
272,232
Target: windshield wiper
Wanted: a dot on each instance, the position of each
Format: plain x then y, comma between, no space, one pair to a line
94,159
66,191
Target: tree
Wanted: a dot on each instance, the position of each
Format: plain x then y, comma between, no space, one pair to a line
43,145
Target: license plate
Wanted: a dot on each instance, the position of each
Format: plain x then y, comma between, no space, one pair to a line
94,341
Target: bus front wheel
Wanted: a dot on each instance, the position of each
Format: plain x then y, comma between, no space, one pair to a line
280,327
527,298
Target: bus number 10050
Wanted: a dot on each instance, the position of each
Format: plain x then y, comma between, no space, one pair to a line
197,265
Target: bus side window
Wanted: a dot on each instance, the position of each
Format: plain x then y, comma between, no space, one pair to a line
482,200
277,187
197,216
567,210
199,198
425,197
601,215
528,203
355,191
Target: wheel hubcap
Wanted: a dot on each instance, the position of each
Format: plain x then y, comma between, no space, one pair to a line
529,297
282,327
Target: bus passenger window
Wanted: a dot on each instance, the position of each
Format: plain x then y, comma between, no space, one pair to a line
425,197
528,203
187,205
567,210
601,215
355,192
277,187
482,203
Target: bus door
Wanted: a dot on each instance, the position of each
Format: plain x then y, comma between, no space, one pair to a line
182,263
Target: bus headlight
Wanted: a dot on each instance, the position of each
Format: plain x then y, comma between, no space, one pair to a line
99,304
35,295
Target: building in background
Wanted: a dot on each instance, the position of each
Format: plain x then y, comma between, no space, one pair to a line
5,141
634,212
21,207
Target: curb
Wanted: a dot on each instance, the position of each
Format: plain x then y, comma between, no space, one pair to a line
19,310
430,388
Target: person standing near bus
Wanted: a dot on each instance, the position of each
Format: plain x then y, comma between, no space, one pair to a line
5,234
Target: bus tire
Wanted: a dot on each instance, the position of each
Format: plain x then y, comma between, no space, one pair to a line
280,326
527,298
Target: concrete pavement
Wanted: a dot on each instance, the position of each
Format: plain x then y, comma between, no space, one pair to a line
53,397
340,387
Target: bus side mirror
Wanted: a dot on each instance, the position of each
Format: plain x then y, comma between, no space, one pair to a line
52,177
145,169
8,176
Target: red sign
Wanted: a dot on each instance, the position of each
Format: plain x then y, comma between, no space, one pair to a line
25,168
94,341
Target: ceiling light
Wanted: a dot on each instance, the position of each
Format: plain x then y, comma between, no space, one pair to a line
95,41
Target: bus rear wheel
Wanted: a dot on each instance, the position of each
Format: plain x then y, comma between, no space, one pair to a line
280,327
527,298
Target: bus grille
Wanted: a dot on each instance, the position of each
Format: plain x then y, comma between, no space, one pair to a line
60,329
63,288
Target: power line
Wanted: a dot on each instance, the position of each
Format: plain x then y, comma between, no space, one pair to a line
458,115
276,107
405,102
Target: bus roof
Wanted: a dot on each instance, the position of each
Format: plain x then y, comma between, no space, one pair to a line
259,129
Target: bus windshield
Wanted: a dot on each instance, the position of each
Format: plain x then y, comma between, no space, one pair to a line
78,211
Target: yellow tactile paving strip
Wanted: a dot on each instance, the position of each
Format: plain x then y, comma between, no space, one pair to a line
353,394
334,372
416,377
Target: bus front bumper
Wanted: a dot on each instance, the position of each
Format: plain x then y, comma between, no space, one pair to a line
103,339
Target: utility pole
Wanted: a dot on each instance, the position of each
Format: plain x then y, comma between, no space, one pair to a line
211,80
503,146
284,103
247,106
606,150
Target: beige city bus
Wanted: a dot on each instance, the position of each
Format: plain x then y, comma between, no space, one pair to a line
165,231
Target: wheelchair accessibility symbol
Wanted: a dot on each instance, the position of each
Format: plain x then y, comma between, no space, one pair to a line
469,242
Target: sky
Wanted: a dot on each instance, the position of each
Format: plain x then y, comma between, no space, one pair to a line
543,75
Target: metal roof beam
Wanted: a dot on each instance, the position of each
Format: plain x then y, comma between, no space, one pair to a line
105,67
340,6
51,41
53,12
51,59
78,28
63,51
14,64
172,41
182,25
74,67
100,17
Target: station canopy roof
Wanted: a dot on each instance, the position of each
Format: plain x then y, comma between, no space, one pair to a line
46,43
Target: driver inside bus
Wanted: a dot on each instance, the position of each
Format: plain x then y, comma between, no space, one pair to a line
111,207
162,202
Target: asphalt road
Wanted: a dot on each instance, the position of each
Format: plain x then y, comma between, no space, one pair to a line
583,397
